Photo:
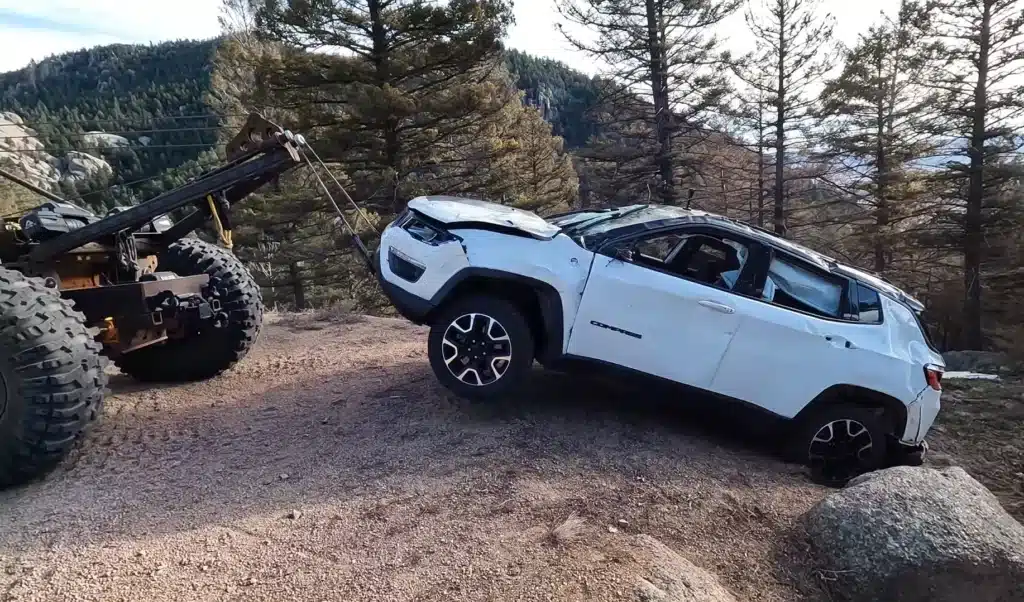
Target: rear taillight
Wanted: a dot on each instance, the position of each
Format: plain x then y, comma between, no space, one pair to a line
933,374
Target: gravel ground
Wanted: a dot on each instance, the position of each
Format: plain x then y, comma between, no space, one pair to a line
329,465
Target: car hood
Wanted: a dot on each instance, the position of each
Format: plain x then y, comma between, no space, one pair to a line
457,211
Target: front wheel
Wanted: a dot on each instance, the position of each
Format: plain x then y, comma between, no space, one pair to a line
481,348
840,441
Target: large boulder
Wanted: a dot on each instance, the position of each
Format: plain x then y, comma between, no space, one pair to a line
22,153
665,576
914,534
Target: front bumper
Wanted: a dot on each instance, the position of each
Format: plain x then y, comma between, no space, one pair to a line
409,306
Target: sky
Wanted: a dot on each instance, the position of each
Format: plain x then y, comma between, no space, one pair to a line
36,29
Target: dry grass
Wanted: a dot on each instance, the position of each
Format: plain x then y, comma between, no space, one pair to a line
981,427
570,530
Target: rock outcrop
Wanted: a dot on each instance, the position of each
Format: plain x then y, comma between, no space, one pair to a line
82,166
665,576
915,534
103,139
22,153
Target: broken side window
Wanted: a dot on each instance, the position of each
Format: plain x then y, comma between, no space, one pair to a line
804,290
658,247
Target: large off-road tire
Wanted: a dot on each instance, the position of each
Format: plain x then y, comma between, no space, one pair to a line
481,348
206,353
839,441
52,378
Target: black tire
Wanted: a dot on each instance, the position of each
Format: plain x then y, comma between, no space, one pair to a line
497,378
52,378
211,351
845,457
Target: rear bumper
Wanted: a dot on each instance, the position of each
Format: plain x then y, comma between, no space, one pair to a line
921,414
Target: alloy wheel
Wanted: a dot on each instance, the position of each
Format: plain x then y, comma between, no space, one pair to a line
840,450
477,349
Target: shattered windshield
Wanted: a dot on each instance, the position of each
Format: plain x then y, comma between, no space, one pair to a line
579,223
598,222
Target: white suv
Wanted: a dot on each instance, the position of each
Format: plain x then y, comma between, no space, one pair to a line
685,296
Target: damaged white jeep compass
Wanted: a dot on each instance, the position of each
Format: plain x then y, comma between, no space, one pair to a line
685,296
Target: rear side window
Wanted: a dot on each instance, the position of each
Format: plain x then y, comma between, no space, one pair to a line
794,286
869,305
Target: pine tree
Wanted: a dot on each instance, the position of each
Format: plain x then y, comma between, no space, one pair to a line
794,46
514,159
405,79
979,59
667,70
876,111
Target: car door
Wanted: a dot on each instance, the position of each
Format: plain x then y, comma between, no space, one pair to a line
792,344
639,314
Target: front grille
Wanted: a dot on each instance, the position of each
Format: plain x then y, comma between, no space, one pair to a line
404,267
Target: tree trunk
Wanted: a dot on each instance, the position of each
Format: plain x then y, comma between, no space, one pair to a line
659,94
780,131
298,287
760,166
972,335
882,165
392,151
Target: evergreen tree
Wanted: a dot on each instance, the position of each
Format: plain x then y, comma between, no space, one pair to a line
793,45
979,58
666,66
877,111
405,82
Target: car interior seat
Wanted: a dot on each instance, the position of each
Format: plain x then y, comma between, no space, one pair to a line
704,258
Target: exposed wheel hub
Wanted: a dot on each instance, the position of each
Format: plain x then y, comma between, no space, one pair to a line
477,349
840,450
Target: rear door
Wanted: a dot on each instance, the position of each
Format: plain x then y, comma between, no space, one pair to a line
798,340
639,312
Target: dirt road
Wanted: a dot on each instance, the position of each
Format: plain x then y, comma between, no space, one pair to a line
330,466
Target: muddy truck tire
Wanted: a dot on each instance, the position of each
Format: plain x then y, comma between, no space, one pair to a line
208,352
52,378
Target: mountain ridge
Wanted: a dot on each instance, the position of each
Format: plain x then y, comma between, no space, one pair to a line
154,97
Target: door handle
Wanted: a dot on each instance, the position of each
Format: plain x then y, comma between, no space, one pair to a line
725,309
837,341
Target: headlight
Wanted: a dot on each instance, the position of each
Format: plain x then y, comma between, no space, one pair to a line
424,232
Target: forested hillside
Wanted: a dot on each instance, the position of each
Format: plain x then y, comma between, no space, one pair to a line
565,96
154,103
901,153
150,99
